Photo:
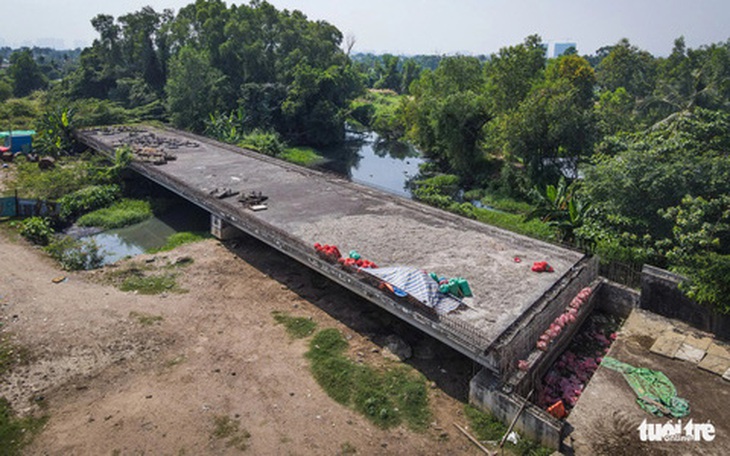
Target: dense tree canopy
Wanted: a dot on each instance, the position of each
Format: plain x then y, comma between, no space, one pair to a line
214,58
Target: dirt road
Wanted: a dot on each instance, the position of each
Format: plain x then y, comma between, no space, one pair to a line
114,385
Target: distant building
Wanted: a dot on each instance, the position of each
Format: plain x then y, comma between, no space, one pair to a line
560,48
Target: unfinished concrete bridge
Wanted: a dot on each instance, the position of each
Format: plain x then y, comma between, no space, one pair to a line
511,307
304,206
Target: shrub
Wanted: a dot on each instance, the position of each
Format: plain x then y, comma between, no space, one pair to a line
75,255
37,230
266,142
88,199
123,213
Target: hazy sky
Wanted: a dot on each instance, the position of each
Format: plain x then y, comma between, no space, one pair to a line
425,26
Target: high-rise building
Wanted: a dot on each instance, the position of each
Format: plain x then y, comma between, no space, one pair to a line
560,48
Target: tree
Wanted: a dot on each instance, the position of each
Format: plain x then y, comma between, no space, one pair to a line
390,76
628,67
25,73
512,72
634,187
689,79
448,112
192,89
550,124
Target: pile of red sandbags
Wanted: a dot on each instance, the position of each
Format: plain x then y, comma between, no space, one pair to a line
542,266
328,252
332,254
564,319
359,263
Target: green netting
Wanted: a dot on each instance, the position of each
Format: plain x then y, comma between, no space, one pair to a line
655,393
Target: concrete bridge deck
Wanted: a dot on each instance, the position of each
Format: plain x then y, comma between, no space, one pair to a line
307,206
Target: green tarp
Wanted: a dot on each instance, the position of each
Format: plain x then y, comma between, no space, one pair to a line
655,393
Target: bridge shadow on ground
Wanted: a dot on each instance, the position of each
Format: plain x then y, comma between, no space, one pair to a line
448,369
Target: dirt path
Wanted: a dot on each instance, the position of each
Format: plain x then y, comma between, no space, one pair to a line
112,385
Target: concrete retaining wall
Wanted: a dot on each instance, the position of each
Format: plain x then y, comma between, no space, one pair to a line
533,423
660,294
617,299
519,341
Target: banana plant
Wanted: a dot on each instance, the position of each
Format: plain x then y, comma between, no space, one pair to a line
561,207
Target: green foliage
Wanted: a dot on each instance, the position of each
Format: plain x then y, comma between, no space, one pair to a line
151,284
16,432
513,71
37,230
386,397
75,255
123,213
628,67
21,112
184,237
447,113
305,156
516,223
193,89
561,207
88,199
229,128
25,73
439,191
506,204
297,327
67,176
55,133
486,427
550,123
266,142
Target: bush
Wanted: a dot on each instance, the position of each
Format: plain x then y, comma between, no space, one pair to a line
123,213
37,230
75,255
266,142
69,175
88,199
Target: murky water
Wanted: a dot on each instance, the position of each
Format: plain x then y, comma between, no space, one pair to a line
367,159
151,233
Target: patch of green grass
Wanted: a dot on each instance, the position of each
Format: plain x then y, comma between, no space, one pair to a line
305,156
386,397
145,319
123,213
16,432
228,429
10,354
184,237
507,204
485,426
152,284
347,449
297,327
516,223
